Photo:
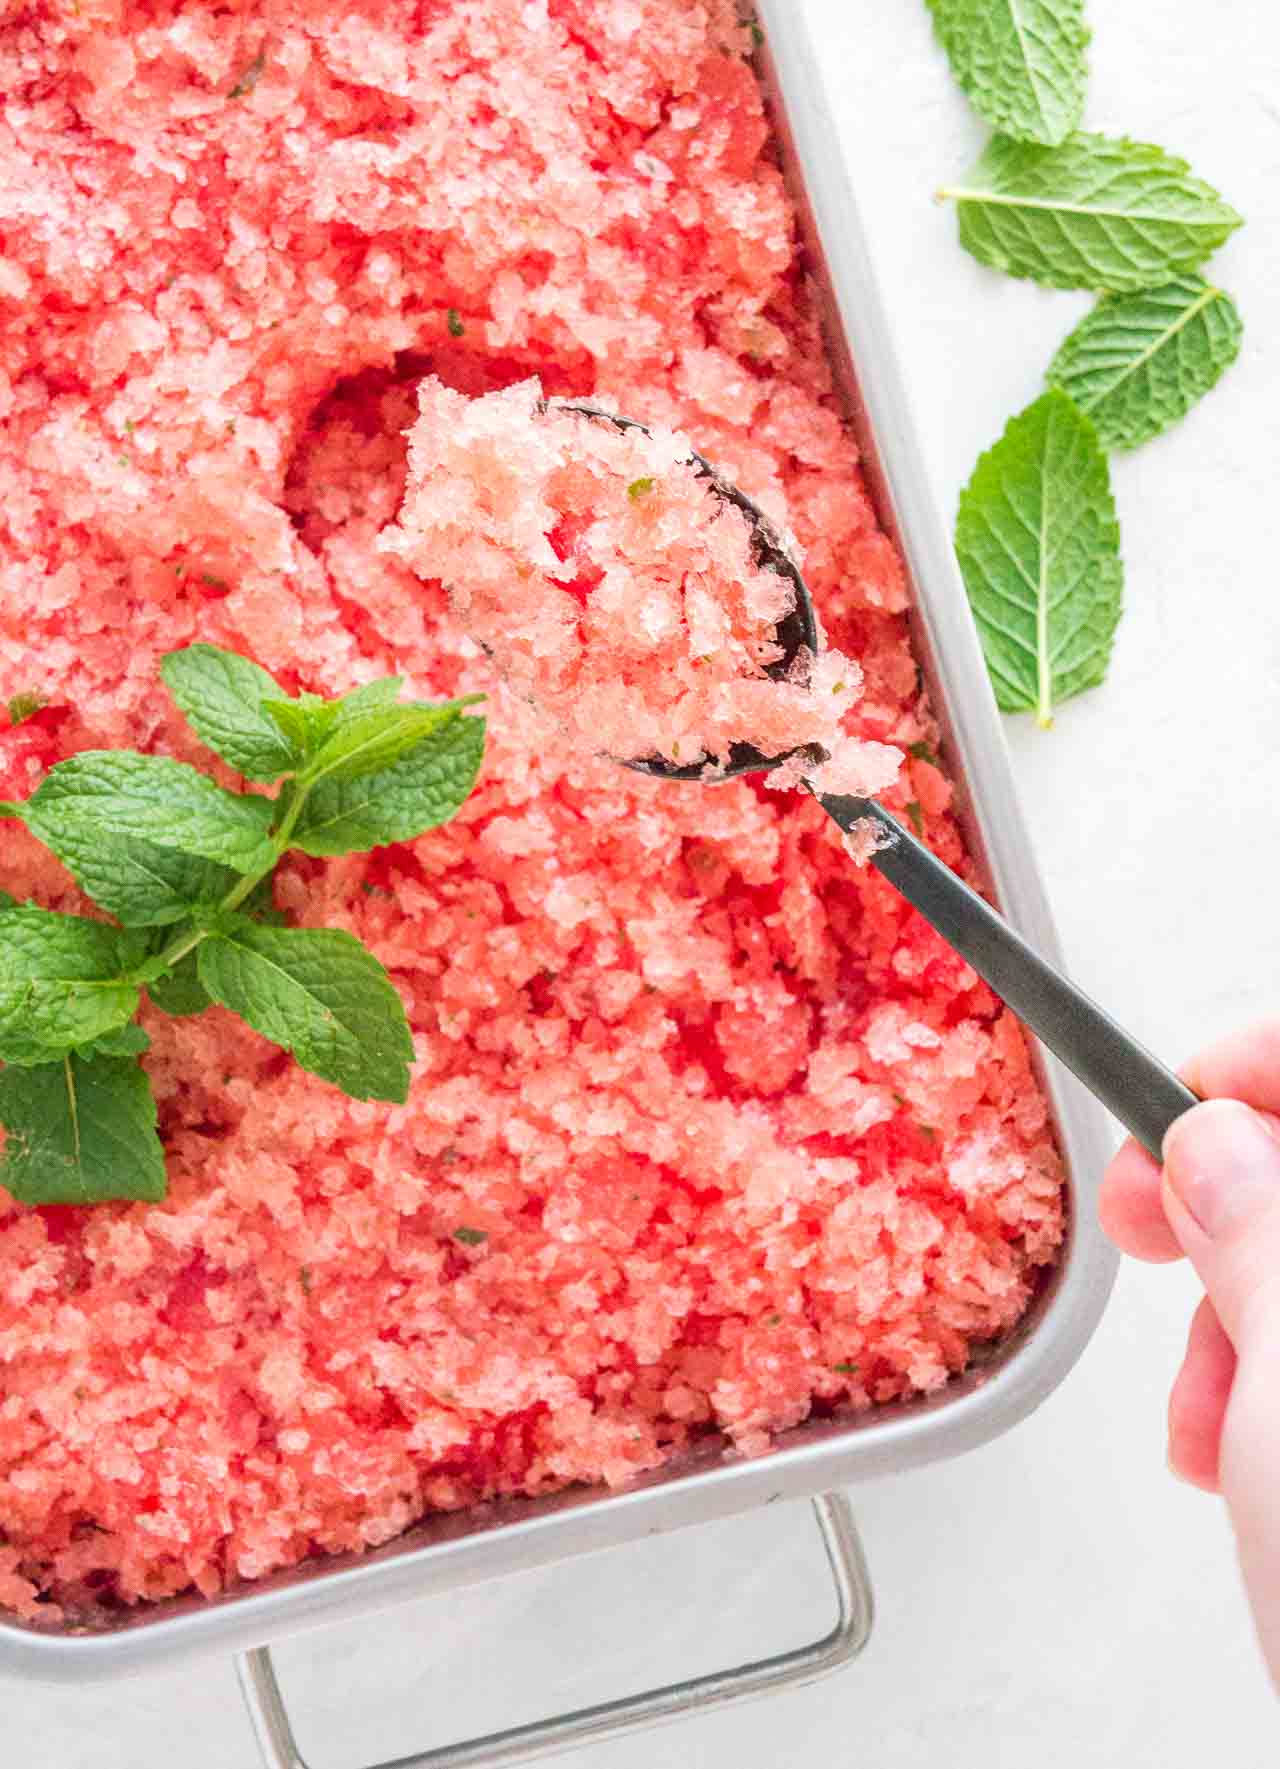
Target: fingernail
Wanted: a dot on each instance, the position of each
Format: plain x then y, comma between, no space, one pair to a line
1222,1163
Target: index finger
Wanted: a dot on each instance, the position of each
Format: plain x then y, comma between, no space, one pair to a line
1130,1209
1244,1065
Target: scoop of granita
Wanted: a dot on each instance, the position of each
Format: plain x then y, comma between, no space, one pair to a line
616,588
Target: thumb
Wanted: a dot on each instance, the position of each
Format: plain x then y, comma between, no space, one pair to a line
1222,1198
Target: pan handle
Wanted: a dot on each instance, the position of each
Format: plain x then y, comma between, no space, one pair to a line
610,1719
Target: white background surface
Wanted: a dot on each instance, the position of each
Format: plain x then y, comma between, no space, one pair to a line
1054,1598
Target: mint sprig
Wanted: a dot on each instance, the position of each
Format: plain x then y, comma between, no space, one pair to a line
186,866
366,740
420,791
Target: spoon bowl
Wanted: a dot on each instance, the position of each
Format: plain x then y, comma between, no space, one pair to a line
797,632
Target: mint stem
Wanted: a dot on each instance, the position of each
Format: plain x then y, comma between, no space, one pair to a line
178,948
297,798
293,797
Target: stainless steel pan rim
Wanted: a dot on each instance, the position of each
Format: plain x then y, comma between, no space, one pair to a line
815,1458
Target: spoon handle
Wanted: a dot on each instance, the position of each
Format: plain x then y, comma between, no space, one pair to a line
1144,1095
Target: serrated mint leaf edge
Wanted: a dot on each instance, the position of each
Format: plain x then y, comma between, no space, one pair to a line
64,981
972,200
948,28
1054,105
331,807
1130,435
148,804
232,721
272,949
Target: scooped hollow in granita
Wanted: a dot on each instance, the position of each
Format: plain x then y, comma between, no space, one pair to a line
618,589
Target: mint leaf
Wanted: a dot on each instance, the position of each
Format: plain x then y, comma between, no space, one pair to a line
221,696
80,1132
180,993
308,721
7,900
372,738
126,1041
320,994
305,722
1095,213
106,795
1020,62
1138,363
139,883
61,983
951,26
385,691
423,789
1039,548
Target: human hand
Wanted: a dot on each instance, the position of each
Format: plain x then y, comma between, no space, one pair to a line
1217,1200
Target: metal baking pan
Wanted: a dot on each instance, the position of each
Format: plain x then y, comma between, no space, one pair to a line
811,1459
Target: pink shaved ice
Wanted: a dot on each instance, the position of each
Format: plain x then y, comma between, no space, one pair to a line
707,1129
612,585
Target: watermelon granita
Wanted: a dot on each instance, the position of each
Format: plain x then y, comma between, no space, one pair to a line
617,589
707,1128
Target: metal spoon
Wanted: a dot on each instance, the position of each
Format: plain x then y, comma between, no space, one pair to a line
1142,1093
